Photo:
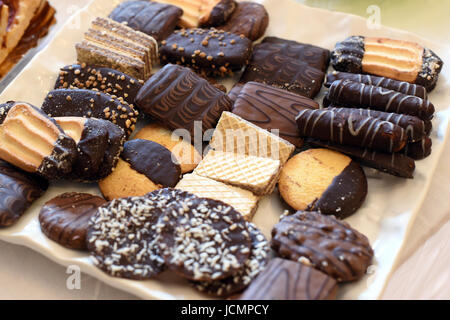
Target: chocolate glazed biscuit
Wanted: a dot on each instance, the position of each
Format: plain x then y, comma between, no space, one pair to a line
354,130
359,95
419,150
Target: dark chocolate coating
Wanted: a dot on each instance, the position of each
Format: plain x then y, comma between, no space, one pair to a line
155,19
250,19
18,191
396,164
65,219
348,54
220,13
272,108
391,84
90,104
315,56
116,139
353,129
106,80
210,52
431,67
4,109
234,92
152,160
178,97
331,246
289,280
283,72
419,150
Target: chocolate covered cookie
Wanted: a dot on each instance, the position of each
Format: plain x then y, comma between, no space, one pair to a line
327,244
65,218
419,150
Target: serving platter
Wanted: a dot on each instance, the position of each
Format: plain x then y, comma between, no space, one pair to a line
386,217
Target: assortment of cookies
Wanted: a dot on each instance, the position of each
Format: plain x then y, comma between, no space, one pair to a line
180,194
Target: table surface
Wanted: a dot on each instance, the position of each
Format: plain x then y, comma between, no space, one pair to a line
423,271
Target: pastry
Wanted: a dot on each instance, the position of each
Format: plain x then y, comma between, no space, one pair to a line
113,45
249,19
65,218
396,59
106,80
272,108
33,142
289,280
178,98
90,104
144,166
327,244
243,201
325,181
210,52
419,150
18,192
155,19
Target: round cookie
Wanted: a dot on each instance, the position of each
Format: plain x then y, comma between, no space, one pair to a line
323,180
144,166
324,242
65,219
187,155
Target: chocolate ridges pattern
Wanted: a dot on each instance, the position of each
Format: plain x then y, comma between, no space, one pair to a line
178,97
289,280
330,245
359,95
419,150
354,130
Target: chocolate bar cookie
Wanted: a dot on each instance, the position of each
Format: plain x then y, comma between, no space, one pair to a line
210,52
396,59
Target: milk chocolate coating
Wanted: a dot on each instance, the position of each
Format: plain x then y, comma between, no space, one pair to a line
283,72
354,130
315,56
210,52
272,108
250,19
65,219
396,164
289,280
391,84
18,191
90,104
106,80
359,95
178,97
220,13
419,150
331,246
155,19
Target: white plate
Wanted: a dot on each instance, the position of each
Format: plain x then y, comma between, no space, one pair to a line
391,205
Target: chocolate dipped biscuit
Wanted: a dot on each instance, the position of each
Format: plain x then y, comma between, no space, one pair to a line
289,280
250,19
396,59
359,95
155,19
178,97
65,218
90,104
210,52
33,142
106,80
327,244
4,109
352,129
272,108
387,83
18,191
419,150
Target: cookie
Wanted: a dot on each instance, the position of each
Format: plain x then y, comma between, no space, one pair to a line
250,19
106,80
327,244
259,257
323,180
144,166
187,156
234,92
419,150
18,192
33,142
155,19
210,52
65,218
289,280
